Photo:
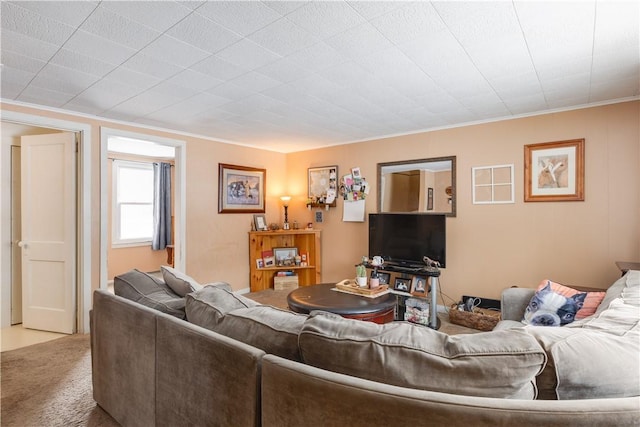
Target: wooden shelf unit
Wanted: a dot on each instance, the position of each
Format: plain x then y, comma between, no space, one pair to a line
306,241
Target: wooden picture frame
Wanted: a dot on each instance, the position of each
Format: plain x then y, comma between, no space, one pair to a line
402,284
285,256
419,286
554,171
241,189
430,199
322,186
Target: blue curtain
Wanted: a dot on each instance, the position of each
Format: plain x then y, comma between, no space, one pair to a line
161,206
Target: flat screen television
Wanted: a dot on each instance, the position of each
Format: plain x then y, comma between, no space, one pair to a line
404,239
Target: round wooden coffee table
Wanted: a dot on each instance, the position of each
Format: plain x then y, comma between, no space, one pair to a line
320,297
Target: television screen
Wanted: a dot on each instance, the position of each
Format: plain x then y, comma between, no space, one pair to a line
404,239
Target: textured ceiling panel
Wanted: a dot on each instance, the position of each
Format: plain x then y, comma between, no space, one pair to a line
295,75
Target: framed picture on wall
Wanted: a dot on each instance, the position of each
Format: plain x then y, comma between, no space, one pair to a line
241,189
323,186
554,171
429,199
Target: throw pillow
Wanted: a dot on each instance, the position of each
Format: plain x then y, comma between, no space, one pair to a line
591,301
145,289
549,308
207,306
268,328
179,282
501,364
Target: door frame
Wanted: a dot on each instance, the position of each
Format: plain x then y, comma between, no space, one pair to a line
179,254
83,218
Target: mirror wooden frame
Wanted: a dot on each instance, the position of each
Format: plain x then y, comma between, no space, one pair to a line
454,193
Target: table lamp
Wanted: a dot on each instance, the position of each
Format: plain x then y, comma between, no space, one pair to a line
285,202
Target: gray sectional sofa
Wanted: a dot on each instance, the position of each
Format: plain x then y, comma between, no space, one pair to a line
233,362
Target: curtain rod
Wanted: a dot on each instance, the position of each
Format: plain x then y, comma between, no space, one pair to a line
139,161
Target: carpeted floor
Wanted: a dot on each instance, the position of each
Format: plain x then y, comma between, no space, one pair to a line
49,384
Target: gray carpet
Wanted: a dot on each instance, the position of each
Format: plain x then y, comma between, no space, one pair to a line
49,384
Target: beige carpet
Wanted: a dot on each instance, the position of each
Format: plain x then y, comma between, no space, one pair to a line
49,384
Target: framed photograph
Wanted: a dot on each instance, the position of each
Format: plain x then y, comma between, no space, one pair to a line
260,223
269,261
403,285
285,256
384,278
554,171
430,199
241,189
260,263
355,172
419,286
323,186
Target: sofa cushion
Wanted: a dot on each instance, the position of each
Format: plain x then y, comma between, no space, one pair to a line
596,356
588,363
179,282
268,328
493,364
207,306
628,284
149,291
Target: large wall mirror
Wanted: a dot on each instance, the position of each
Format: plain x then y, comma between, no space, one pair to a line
422,185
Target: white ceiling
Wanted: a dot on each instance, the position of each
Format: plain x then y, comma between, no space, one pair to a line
289,76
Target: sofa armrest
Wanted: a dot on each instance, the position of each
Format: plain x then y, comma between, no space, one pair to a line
514,302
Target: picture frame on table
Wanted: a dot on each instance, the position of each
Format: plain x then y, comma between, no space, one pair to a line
285,256
322,186
419,286
402,284
384,278
260,223
554,171
241,189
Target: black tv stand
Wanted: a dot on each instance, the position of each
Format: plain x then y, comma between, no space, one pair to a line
423,271
403,268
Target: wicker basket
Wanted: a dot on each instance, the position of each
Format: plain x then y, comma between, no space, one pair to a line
481,318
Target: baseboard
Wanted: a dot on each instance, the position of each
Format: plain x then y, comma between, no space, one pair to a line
243,291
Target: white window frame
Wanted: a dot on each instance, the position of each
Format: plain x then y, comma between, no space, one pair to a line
116,242
493,185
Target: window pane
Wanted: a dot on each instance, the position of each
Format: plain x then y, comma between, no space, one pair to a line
135,185
136,221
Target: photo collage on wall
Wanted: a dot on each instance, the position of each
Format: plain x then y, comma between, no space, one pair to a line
353,186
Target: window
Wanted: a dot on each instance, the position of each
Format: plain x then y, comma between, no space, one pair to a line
132,203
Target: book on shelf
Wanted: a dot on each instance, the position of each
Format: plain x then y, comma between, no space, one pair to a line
284,273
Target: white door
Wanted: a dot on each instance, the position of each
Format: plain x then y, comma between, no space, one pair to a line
16,232
49,232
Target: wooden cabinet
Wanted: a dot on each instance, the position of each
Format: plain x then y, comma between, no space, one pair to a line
306,241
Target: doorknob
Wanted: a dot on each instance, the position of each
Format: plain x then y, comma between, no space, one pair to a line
22,244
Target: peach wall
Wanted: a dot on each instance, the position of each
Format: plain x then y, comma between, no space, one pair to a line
217,245
490,247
